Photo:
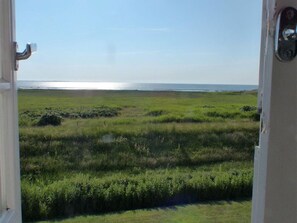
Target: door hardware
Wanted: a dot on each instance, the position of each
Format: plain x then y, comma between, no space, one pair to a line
30,48
286,35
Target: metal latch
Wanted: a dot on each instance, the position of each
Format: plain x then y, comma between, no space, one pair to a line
286,35
30,48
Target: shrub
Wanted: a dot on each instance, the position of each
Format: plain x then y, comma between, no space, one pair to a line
217,114
179,119
50,119
156,113
85,112
24,120
107,111
247,108
255,116
102,111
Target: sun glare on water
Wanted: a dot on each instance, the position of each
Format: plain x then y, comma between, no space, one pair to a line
85,85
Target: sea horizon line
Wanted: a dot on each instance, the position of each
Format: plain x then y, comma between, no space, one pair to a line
88,85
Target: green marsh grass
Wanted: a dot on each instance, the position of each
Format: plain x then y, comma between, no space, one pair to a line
212,212
121,150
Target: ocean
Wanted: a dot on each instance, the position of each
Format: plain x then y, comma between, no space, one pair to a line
55,85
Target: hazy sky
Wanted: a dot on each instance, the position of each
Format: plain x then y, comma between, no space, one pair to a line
171,41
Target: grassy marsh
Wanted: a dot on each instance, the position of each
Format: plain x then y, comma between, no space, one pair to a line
212,212
119,150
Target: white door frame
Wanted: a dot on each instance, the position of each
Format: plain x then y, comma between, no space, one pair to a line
10,196
275,172
275,178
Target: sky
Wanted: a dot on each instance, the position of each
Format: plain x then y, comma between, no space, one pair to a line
141,41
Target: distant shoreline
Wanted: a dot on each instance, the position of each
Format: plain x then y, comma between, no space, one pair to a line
117,86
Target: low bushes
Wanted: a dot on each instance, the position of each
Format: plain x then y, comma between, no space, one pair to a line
83,194
156,113
50,119
179,119
255,116
51,116
247,108
96,112
218,114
